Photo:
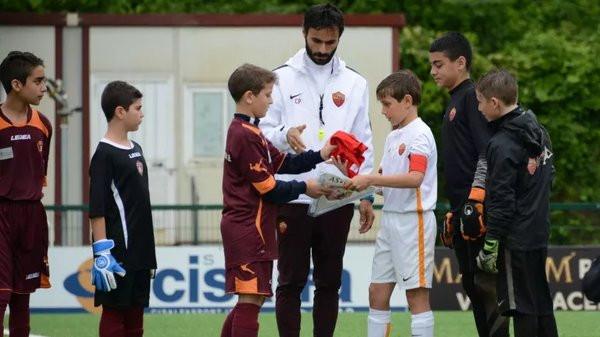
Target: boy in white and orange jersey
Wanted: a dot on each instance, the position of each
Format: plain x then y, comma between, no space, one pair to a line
405,243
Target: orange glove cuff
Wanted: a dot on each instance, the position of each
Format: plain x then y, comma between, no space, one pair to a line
477,194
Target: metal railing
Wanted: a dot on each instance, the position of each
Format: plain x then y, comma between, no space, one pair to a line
200,224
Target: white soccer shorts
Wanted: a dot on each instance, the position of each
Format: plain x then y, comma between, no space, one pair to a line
404,250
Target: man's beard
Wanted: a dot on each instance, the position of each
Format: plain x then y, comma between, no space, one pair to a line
323,58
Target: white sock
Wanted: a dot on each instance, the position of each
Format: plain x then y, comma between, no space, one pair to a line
422,324
378,323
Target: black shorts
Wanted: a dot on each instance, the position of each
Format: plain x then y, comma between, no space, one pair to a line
132,290
465,250
522,285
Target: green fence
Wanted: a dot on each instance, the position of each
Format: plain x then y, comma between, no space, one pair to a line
572,223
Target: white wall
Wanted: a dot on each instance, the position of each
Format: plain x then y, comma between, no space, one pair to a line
40,41
189,56
205,56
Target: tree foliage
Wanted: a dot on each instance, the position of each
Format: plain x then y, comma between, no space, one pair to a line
552,46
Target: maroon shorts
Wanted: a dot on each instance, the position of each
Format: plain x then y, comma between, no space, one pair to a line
23,246
252,278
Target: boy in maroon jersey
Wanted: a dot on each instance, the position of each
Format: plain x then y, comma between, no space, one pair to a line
250,194
24,146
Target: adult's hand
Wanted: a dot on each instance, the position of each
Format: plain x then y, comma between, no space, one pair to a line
367,216
294,138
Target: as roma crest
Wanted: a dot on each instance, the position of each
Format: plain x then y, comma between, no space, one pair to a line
532,165
338,98
40,146
282,227
401,149
140,167
451,114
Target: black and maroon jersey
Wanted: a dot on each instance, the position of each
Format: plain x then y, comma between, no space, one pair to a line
24,150
119,193
248,222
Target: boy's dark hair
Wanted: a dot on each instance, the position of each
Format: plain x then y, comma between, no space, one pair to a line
17,65
399,84
118,93
324,16
453,45
249,77
499,83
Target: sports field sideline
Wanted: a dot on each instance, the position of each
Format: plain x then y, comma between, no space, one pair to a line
447,324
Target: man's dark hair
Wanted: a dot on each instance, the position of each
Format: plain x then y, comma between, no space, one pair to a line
453,45
118,94
499,83
324,16
399,84
17,65
249,77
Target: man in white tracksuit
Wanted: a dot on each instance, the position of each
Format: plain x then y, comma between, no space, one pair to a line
316,95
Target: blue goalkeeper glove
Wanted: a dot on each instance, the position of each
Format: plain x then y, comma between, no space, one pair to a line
488,255
105,266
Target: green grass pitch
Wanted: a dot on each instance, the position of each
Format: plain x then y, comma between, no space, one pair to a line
447,324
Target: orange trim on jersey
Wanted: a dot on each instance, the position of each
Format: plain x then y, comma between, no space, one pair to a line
258,167
244,268
257,131
417,163
258,218
35,121
265,185
252,128
4,125
45,281
246,287
421,239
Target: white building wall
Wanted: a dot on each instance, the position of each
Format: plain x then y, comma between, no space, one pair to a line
204,57
40,41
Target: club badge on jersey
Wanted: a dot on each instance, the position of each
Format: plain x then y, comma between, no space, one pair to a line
338,98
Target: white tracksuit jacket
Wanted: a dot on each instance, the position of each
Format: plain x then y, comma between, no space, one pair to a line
296,100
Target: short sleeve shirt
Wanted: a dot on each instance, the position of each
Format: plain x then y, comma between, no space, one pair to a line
24,156
413,139
119,193
248,222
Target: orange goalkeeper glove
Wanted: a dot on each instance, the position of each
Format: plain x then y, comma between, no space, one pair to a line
472,226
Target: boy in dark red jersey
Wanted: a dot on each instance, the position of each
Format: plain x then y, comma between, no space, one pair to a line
24,146
250,194
121,217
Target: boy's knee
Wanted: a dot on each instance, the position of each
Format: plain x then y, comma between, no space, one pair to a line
418,300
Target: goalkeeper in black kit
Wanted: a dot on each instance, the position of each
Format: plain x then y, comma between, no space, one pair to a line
517,202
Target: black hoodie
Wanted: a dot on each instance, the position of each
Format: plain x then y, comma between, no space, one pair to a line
519,180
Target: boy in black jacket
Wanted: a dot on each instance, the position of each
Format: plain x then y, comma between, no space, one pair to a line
519,180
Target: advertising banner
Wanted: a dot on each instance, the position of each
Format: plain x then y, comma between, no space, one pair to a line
191,279
565,268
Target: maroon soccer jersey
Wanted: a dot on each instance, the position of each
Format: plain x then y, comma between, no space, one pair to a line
248,222
24,152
